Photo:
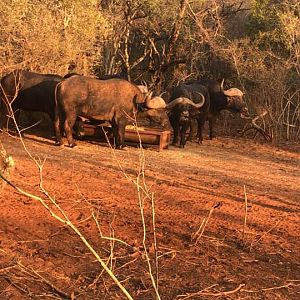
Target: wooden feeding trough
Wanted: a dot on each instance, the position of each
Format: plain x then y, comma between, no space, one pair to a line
160,139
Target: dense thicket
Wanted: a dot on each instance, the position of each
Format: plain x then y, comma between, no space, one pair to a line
253,44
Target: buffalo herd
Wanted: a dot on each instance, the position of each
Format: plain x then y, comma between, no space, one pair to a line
118,102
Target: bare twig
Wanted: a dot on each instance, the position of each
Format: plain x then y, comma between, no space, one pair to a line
271,288
143,193
253,125
203,293
65,220
265,233
246,213
107,237
43,279
197,235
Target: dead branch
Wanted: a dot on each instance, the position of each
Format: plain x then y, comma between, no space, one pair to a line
10,281
143,193
246,213
176,29
265,233
230,10
203,293
106,237
65,220
43,279
252,125
270,288
197,235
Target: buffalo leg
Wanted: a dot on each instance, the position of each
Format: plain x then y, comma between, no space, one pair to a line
115,133
211,123
57,126
118,128
57,131
193,130
121,134
68,126
175,125
183,130
201,122
175,135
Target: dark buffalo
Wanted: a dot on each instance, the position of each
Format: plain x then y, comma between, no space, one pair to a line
181,112
195,92
220,99
113,100
28,91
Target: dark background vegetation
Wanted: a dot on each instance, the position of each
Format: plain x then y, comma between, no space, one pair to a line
254,45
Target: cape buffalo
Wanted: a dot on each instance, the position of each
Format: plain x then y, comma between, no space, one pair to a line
197,93
28,91
181,112
113,100
220,99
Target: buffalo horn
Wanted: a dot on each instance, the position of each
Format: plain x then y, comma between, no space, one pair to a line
143,88
155,102
176,101
185,101
222,86
233,92
200,104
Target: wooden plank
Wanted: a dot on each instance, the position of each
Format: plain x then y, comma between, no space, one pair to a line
149,136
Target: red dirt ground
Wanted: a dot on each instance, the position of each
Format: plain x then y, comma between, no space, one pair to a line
40,258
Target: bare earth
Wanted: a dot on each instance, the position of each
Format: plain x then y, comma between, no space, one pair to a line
40,258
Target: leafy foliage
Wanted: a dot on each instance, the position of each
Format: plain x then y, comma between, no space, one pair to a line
163,43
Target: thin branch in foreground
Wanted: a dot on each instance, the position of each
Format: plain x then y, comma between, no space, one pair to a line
246,213
143,193
32,272
265,233
197,235
271,288
203,293
67,222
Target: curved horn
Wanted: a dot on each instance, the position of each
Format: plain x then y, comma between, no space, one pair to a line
200,104
143,88
233,92
222,85
176,101
155,102
160,95
185,101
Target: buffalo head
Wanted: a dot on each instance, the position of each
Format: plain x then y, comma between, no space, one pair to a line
186,108
235,101
184,100
154,109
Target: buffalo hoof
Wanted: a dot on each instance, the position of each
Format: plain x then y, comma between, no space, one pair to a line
57,143
72,145
120,147
181,146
